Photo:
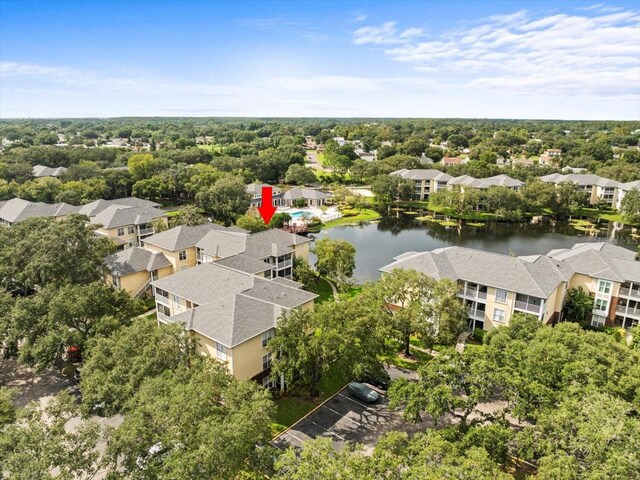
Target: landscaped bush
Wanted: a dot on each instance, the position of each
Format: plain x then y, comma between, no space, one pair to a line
478,334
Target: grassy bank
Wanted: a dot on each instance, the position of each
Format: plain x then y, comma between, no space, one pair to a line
364,215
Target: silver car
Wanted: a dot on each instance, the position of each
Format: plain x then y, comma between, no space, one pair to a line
364,393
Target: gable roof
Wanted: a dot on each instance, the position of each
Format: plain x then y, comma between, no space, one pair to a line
306,193
40,171
256,188
93,208
538,278
630,186
581,179
222,244
243,263
134,260
18,210
422,174
116,215
183,236
598,260
230,320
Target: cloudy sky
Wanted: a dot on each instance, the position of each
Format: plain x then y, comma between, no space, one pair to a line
500,59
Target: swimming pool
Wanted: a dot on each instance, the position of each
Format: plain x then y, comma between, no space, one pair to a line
300,214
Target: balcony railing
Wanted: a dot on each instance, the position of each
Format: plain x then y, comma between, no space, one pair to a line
162,300
285,264
630,292
628,311
162,316
528,307
474,293
477,314
146,231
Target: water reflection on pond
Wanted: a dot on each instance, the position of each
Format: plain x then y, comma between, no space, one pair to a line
378,242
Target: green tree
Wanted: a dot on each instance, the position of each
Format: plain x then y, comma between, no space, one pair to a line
43,326
145,165
300,175
43,251
251,221
451,384
117,365
205,423
336,260
226,200
190,215
7,408
578,305
39,442
630,207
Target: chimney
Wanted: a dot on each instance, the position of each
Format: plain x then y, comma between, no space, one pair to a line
274,250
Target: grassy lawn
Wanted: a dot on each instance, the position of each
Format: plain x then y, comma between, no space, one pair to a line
173,213
323,289
398,359
364,215
604,215
291,409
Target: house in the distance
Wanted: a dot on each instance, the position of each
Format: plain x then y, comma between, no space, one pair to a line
255,190
447,161
40,171
304,197
550,156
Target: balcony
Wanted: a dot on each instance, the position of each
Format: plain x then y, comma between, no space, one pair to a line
284,264
628,311
528,307
475,314
162,317
474,293
163,300
630,292
146,231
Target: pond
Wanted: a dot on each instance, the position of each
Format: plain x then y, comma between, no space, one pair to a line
377,243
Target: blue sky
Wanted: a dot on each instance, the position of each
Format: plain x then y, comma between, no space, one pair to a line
500,59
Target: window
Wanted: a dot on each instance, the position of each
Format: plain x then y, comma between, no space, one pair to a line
221,351
131,229
266,361
499,315
501,296
120,231
266,336
163,309
597,321
601,305
267,382
175,298
604,287
182,255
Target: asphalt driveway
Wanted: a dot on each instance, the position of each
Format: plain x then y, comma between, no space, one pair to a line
344,418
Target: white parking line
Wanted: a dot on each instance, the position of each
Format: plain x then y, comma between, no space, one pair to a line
342,415
361,404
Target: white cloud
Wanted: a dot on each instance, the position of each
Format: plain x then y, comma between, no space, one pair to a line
361,17
594,54
385,34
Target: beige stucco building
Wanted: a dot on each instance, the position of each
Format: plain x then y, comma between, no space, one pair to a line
493,287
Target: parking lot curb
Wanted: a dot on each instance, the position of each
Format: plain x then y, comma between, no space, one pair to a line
309,413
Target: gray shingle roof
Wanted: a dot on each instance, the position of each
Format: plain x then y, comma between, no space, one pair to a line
598,260
233,306
183,236
231,320
17,210
93,208
117,215
133,260
306,193
497,180
422,174
222,244
287,282
630,186
40,171
245,264
582,179
205,283
256,188
538,278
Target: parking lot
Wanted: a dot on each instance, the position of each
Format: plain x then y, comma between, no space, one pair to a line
344,418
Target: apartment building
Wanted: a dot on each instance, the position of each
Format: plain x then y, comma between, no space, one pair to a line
493,287
425,181
18,210
255,190
598,188
268,254
231,314
623,189
466,181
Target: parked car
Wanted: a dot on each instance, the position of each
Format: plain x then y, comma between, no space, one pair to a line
364,393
